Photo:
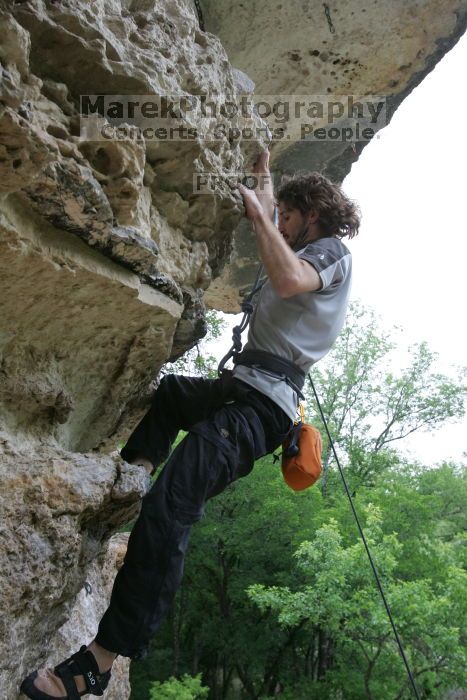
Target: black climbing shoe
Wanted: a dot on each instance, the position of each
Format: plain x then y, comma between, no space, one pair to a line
83,664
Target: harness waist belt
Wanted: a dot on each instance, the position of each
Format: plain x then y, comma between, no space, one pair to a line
273,363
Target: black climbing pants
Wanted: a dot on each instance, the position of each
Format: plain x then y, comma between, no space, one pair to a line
230,426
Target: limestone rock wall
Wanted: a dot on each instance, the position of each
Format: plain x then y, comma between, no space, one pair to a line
105,252
98,223
58,508
89,606
354,48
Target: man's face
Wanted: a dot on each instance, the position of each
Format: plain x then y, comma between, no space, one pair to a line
293,225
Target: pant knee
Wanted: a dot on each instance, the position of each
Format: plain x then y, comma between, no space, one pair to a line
188,516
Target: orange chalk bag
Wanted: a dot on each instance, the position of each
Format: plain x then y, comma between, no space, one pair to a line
301,454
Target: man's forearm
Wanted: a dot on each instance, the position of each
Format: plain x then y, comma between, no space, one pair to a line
265,193
280,262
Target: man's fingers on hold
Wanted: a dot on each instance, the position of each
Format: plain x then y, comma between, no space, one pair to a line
244,189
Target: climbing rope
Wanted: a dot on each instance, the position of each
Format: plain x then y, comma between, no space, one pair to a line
247,308
362,535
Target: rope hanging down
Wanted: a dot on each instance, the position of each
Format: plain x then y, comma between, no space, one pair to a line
247,308
362,535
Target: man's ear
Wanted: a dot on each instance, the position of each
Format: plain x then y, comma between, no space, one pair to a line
312,216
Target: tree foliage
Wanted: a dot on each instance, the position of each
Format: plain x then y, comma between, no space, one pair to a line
185,688
370,406
198,361
278,598
338,594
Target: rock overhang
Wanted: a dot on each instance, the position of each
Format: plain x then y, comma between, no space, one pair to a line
314,51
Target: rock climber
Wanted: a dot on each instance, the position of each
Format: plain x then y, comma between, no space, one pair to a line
230,422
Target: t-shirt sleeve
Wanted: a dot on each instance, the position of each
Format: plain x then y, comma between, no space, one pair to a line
331,260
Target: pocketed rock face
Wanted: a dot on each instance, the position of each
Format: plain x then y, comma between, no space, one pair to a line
105,251
313,49
82,336
106,248
57,508
90,605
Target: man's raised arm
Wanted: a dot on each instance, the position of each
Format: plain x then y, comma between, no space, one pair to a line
264,189
288,274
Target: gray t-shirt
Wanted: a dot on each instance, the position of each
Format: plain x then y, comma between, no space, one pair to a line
301,328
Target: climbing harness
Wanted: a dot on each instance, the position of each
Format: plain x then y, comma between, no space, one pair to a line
294,376
259,359
301,472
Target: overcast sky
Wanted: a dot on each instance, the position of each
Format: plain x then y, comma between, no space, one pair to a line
410,256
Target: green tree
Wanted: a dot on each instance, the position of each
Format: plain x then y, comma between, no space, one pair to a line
338,594
312,625
186,688
318,625
368,406
198,361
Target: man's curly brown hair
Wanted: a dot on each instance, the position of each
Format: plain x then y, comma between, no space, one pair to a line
338,215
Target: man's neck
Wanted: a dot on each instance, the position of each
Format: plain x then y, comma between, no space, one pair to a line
313,237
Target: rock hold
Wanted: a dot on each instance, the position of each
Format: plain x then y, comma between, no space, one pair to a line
57,513
89,606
